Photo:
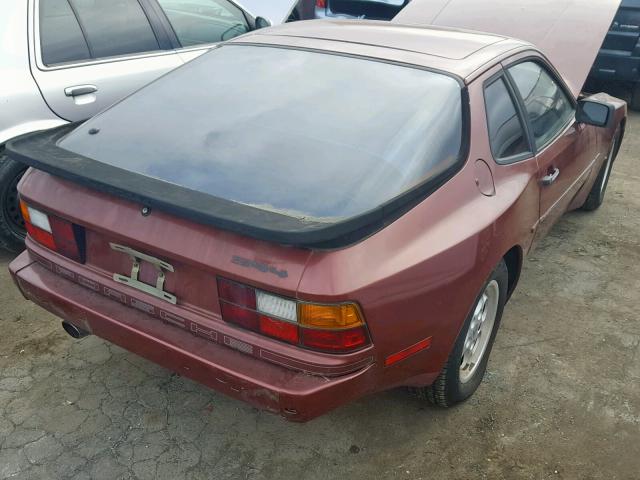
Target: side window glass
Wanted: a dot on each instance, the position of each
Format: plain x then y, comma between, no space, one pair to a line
114,27
198,22
547,106
61,38
506,133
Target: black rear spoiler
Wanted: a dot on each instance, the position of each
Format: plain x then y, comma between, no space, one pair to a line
40,150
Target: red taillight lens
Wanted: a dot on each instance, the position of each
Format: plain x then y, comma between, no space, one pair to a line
328,328
236,293
69,239
240,316
43,237
321,3
279,329
54,233
335,340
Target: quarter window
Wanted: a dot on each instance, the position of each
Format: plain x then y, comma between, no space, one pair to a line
506,133
198,22
547,106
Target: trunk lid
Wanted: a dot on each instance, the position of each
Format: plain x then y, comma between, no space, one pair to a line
197,254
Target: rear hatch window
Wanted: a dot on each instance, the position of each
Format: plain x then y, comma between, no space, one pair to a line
310,135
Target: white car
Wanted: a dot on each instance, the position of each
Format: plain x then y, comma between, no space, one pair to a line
65,60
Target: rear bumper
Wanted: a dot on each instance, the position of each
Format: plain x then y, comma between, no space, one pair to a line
295,395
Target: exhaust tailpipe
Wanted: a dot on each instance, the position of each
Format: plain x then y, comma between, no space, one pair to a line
74,331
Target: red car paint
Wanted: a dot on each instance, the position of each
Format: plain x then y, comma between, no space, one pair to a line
415,280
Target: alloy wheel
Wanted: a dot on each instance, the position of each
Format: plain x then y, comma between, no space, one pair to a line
479,333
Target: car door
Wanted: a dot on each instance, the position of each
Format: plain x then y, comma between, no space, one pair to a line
91,53
561,144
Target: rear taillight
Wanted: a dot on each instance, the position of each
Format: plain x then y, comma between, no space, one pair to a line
54,233
321,3
329,328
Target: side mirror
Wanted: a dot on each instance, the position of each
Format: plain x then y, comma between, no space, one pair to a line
262,22
592,112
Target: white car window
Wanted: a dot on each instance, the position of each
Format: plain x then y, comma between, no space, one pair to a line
114,27
61,38
198,22
76,30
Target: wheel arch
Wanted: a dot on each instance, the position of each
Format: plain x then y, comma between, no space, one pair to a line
513,259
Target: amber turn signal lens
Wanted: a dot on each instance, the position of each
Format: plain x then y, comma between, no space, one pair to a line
335,317
25,211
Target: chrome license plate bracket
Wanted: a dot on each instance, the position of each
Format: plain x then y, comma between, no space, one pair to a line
133,281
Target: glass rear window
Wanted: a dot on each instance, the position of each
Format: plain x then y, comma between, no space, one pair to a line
311,135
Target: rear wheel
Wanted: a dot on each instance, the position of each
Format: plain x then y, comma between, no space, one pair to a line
597,193
467,362
12,231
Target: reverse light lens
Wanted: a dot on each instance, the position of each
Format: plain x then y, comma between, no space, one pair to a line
328,328
276,306
39,220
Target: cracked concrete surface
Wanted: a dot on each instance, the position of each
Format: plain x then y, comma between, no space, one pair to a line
561,398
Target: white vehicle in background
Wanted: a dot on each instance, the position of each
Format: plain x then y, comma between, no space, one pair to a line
65,60
369,9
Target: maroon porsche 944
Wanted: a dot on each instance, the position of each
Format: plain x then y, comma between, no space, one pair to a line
326,209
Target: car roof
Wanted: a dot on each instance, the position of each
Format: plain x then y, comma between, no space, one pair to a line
463,53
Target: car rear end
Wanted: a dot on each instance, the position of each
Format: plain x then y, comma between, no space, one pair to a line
365,9
232,320
213,250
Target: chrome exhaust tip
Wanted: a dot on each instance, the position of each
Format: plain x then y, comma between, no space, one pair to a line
74,331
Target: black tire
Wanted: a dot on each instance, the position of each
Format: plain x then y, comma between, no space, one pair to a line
448,389
599,188
12,231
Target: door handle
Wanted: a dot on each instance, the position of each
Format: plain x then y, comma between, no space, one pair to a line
80,90
552,177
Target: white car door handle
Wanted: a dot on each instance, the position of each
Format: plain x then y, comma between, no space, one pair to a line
80,90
